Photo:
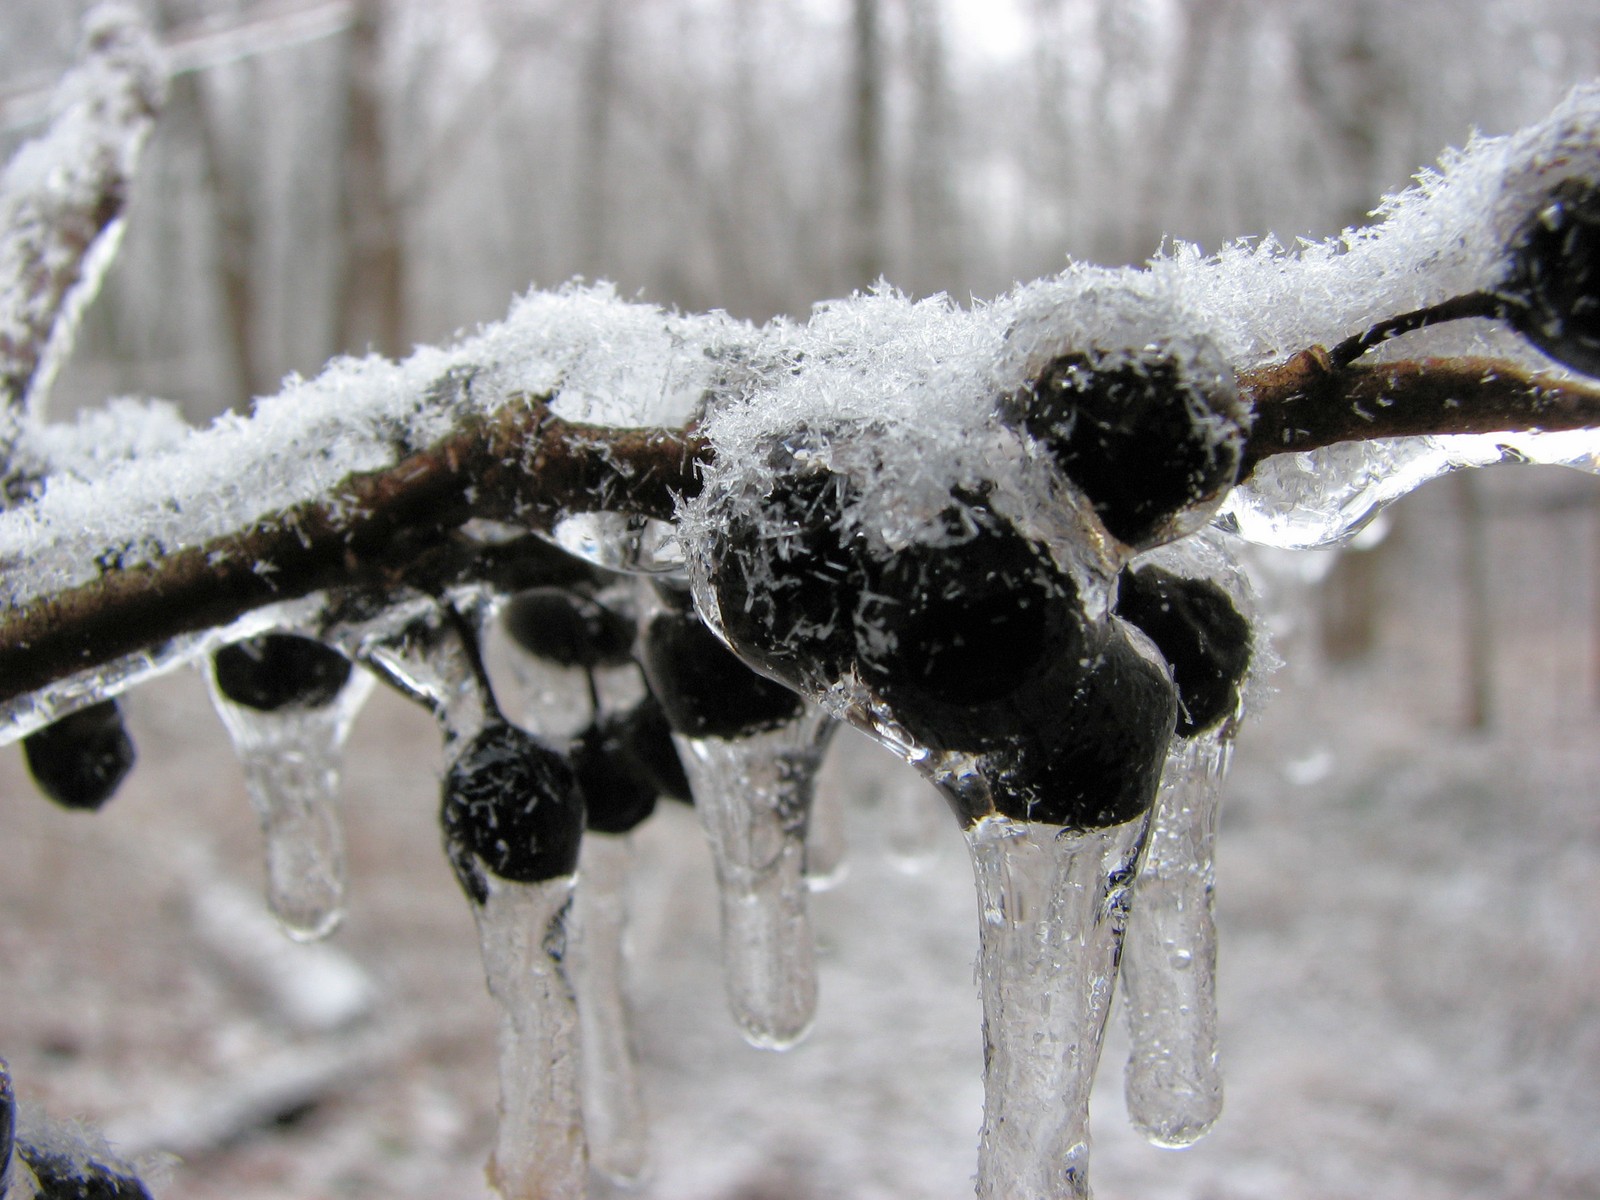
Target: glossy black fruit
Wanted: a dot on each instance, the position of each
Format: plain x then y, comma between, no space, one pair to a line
76,1174
80,760
1199,632
1141,437
954,636
511,807
277,670
568,628
1551,294
785,578
618,795
1094,755
703,687
645,738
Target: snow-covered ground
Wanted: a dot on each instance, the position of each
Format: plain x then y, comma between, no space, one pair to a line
1410,989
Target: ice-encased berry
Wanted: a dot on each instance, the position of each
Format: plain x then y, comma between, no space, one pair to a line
280,670
1203,637
1140,436
1551,294
645,738
511,807
618,795
703,687
8,1118
954,636
784,576
79,1176
568,628
1091,754
80,760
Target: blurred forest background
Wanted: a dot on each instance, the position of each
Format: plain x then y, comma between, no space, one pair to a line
1411,858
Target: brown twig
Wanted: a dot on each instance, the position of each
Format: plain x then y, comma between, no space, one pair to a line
385,528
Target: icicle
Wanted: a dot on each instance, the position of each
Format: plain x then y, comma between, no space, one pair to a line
1052,904
918,819
1169,958
613,1109
539,1150
826,862
291,758
754,796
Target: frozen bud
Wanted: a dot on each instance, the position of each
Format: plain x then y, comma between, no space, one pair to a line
280,670
703,687
644,737
1199,632
1091,747
80,760
783,570
569,629
617,792
957,637
1551,294
511,807
1150,439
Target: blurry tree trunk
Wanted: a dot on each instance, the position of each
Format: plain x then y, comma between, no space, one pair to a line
867,145
235,248
372,306
1351,600
1477,631
935,252
599,86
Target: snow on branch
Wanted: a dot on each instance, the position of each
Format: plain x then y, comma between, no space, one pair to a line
371,473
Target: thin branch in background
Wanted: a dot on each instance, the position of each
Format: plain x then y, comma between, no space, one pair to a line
61,197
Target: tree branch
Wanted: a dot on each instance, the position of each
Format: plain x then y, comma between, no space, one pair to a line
1307,402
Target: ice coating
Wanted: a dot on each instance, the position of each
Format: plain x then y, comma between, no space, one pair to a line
827,863
291,759
754,795
540,1152
614,1116
1169,954
1052,904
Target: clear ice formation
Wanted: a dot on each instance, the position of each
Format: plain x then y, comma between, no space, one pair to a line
291,759
754,797
1169,954
540,1151
827,861
613,1107
1052,905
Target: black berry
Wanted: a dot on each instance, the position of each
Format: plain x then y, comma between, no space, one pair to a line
80,760
645,738
78,1176
279,670
617,792
1551,295
1093,753
953,636
511,807
1199,632
568,628
785,574
703,687
1141,437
